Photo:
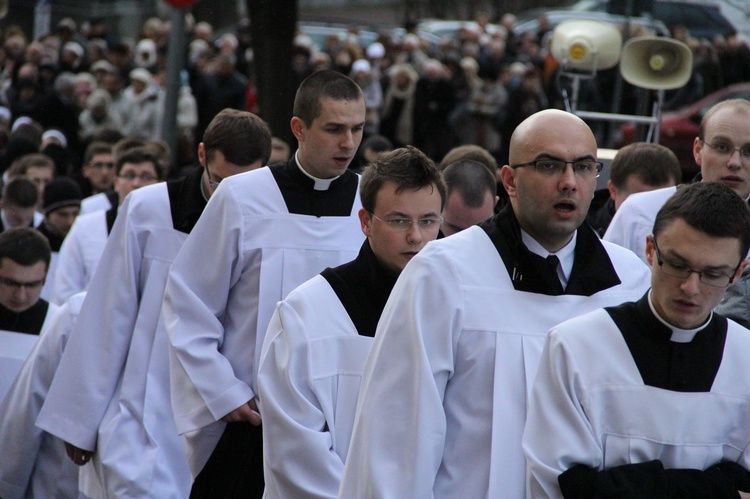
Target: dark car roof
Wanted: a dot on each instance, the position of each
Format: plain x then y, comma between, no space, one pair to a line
702,19
555,17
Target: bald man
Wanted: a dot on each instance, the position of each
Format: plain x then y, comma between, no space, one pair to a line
443,399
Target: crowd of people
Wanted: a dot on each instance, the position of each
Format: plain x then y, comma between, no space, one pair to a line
425,297
475,86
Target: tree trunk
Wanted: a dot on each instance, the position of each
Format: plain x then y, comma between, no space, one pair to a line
272,27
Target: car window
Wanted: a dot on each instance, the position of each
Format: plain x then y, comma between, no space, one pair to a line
690,16
703,21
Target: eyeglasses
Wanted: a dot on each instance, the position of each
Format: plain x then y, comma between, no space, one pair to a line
584,168
213,183
12,283
682,271
102,165
145,178
724,149
404,224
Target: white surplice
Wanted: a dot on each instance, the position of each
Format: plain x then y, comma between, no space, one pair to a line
95,202
634,220
14,349
79,255
590,406
36,464
117,360
309,378
444,390
246,253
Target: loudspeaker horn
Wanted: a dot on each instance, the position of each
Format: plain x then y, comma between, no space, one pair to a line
656,63
586,45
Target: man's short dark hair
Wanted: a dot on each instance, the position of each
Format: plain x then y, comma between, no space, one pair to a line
242,137
378,143
471,180
653,164
108,135
472,152
711,208
319,85
139,155
96,147
25,246
20,191
20,167
407,167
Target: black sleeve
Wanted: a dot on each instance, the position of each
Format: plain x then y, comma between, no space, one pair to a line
653,481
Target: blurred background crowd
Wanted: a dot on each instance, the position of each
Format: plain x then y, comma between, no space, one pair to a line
431,85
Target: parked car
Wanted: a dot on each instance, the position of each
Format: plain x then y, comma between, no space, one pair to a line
702,19
445,28
555,17
680,128
319,33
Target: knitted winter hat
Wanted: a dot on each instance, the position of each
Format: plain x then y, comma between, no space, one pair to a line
61,192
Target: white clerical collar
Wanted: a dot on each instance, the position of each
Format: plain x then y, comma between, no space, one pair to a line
566,254
679,335
321,184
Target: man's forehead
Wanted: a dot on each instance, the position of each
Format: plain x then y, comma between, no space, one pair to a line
335,109
557,137
11,269
726,120
40,171
139,166
390,198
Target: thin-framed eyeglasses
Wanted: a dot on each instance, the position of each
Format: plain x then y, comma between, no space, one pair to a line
724,149
680,270
583,168
404,224
13,284
213,183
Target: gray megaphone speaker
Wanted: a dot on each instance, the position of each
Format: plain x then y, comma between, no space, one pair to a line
656,63
586,45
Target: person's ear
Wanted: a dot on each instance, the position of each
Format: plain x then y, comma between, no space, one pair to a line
298,128
612,190
365,221
650,253
697,148
508,177
202,154
738,273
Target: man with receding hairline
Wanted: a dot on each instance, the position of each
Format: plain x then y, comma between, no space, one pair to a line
721,150
443,398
